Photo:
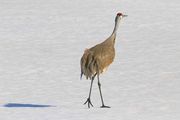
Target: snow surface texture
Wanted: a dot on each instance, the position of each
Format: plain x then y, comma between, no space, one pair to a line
42,41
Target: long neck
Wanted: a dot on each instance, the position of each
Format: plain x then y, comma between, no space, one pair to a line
115,27
113,35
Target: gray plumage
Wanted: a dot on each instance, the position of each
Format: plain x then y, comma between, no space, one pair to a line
95,60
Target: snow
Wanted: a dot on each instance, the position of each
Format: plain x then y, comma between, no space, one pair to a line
41,43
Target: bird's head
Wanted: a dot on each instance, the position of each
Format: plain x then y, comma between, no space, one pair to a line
119,16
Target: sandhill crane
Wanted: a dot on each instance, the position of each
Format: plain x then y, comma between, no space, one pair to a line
95,60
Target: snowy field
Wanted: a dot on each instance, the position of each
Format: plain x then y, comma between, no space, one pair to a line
42,41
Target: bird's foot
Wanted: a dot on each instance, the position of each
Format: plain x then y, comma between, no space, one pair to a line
104,106
89,103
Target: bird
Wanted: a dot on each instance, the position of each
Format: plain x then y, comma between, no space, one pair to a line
97,59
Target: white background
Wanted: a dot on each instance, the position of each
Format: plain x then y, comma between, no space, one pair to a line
42,41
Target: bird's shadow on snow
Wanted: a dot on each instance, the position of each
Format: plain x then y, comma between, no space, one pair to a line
20,105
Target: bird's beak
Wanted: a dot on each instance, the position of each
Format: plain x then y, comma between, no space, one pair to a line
124,15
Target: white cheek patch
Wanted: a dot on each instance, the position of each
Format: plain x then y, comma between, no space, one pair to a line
121,16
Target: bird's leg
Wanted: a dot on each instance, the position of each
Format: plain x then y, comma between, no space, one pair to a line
88,99
99,85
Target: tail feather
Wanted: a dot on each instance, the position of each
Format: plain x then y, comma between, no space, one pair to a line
88,64
81,75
